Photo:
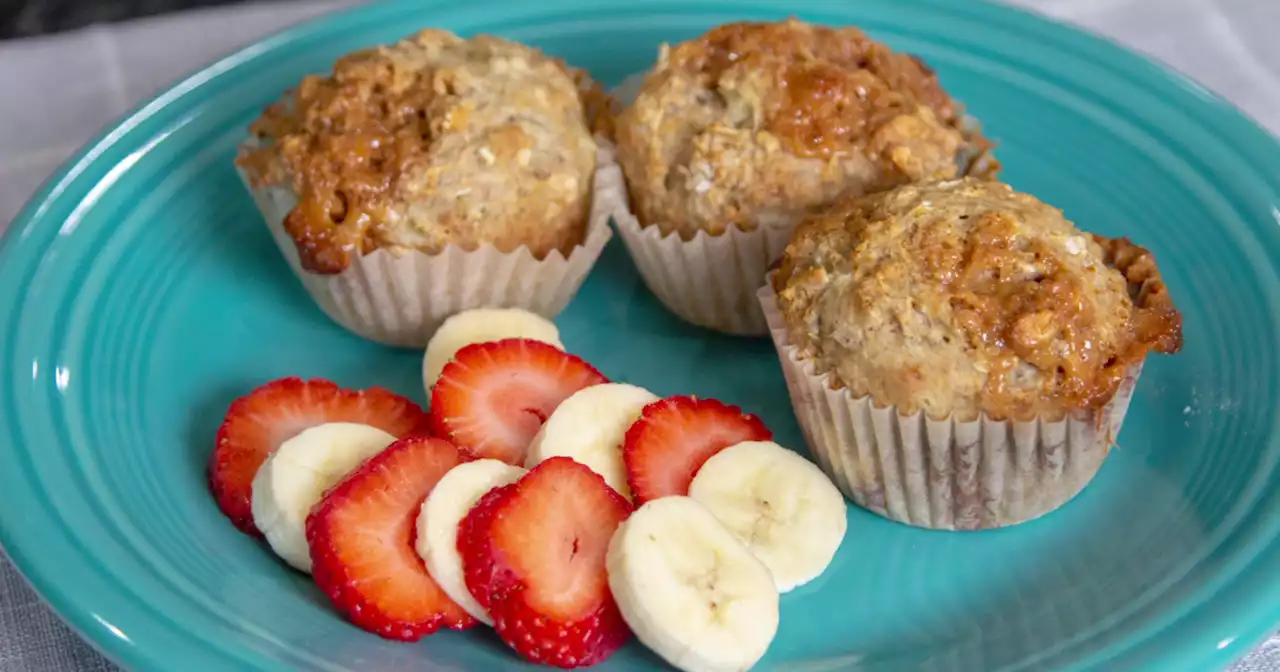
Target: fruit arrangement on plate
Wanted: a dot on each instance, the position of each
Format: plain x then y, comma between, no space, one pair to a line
536,497
958,354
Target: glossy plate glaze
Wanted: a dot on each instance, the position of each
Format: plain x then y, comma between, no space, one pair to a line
140,293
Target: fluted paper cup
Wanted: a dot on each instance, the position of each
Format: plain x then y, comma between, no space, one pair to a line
709,281
400,297
943,474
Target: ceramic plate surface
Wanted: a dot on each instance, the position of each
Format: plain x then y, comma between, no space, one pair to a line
140,293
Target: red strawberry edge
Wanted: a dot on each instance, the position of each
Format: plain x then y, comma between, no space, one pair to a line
243,442
361,537
490,411
493,575
664,449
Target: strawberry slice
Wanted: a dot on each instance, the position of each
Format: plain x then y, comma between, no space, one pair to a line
361,541
674,437
533,554
257,423
492,399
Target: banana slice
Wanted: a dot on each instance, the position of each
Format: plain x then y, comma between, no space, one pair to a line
689,589
296,476
446,506
482,325
589,427
779,504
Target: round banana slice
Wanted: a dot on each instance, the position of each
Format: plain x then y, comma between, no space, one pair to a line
449,502
779,504
689,590
589,427
297,475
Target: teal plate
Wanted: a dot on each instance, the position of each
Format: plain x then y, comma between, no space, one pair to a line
141,293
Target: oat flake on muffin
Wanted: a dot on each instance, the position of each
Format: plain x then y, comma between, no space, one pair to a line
431,141
965,297
759,124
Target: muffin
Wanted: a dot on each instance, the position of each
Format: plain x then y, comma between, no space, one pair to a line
735,136
960,355
431,176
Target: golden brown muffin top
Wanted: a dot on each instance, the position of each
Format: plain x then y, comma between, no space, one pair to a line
967,297
830,88
432,140
761,123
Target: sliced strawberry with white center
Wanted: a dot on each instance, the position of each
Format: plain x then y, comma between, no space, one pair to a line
672,439
533,554
361,541
257,423
493,397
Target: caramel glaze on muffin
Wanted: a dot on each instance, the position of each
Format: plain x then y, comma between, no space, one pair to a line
759,124
430,141
967,297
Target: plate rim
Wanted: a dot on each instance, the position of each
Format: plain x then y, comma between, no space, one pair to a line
1248,137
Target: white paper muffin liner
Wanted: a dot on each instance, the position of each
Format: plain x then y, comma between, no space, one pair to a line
709,281
943,474
400,298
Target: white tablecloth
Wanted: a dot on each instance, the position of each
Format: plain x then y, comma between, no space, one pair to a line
1228,45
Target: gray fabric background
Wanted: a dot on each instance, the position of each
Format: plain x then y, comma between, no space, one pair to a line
1227,45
